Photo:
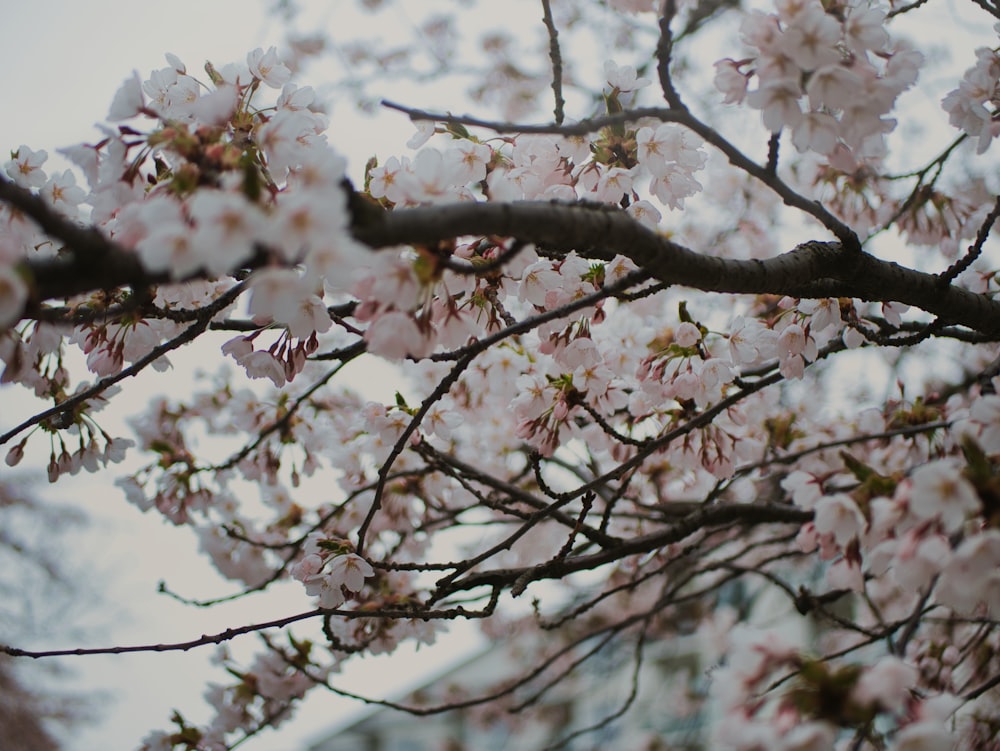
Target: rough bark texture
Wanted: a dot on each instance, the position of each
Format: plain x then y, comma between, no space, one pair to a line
812,269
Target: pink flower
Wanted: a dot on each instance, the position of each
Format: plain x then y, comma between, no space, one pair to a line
761,30
886,684
290,139
307,568
646,214
216,107
63,192
128,101
441,420
864,29
845,574
918,560
384,180
349,571
169,248
13,296
425,129
238,348
296,97
395,335
262,364
731,81
811,39
816,131
623,78
985,416
473,158
613,184
25,168
432,178
805,488
266,67
925,736
750,341
839,516
973,575
687,334
778,102
289,299
226,227
966,104
537,280
669,150
939,491
833,86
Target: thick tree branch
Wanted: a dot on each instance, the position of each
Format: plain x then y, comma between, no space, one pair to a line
603,232
821,269
93,262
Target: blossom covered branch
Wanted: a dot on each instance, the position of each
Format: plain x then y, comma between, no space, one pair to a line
654,382
597,232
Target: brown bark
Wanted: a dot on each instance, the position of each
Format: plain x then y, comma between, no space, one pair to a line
812,269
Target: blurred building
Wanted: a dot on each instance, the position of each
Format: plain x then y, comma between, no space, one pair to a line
661,717
590,709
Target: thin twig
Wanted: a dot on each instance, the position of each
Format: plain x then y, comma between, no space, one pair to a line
974,251
188,335
905,8
439,391
772,152
675,115
664,53
556,57
222,636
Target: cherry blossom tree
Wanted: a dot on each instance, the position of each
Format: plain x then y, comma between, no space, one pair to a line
713,321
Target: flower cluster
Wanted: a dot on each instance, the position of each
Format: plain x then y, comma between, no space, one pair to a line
973,106
330,572
828,73
821,700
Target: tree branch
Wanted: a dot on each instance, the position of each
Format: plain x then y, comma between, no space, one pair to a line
750,514
227,635
556,57
681,116
188,335
93,262
603,232
826,269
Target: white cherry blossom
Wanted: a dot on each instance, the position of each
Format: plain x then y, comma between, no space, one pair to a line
25,167
623,77
266,67
940,492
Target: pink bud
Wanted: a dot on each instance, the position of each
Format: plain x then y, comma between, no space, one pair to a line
560,411
15,455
